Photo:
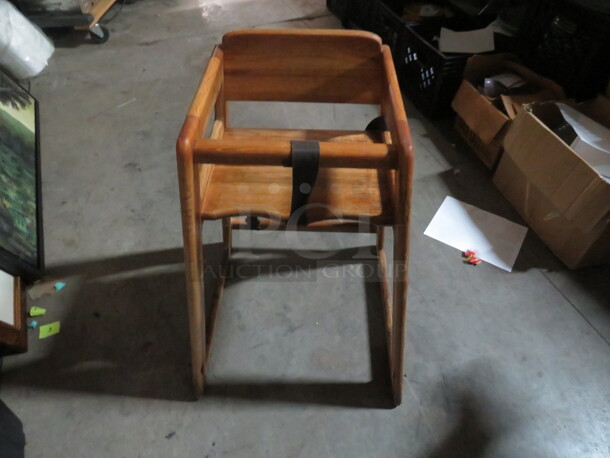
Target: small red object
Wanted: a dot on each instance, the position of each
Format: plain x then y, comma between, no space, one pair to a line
474,260
471,257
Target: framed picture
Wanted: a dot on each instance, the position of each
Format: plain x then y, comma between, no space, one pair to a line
13,325
21,240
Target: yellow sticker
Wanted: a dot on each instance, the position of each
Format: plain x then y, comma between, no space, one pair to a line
49,330
37,311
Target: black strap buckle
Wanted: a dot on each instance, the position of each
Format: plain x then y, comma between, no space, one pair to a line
377,124
253,222
305,163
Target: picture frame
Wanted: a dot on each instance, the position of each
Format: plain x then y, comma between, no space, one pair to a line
21,227
13,335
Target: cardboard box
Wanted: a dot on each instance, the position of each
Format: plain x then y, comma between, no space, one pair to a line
478,121
563,199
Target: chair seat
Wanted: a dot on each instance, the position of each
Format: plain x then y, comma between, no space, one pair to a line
339,193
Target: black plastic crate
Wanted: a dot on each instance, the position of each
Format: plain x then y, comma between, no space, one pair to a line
569,43
429,77
384,22
339,9
360,12
351,12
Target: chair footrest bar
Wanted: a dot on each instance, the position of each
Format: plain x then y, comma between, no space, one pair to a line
240,223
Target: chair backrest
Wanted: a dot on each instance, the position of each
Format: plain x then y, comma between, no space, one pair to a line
332,66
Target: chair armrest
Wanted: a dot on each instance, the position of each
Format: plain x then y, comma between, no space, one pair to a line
202,105
394,112
277,152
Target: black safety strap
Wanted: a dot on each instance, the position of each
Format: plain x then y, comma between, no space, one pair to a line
253,222
305,162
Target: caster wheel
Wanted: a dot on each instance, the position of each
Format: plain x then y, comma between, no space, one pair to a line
99,34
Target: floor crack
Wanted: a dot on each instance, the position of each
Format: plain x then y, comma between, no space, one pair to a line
584,317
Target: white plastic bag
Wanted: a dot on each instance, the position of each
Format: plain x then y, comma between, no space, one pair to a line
24,49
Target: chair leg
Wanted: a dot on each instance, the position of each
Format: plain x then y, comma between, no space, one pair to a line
399,310
386,300
193,265
220,284
227,236
196,316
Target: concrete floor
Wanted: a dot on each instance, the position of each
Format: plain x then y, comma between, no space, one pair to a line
498,364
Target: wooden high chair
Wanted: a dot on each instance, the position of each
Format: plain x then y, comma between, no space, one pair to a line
314,180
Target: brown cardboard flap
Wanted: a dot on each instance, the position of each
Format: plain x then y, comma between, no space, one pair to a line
549,90
479,67
517,188
575,247
488,153
478,113
574,188
549,87
515,103
593,200
533,147
591,205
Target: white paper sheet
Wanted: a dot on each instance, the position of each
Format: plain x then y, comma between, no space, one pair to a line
496,240
7,298
593,141
472,41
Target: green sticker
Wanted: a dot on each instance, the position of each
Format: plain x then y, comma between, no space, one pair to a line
37,311
49,330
